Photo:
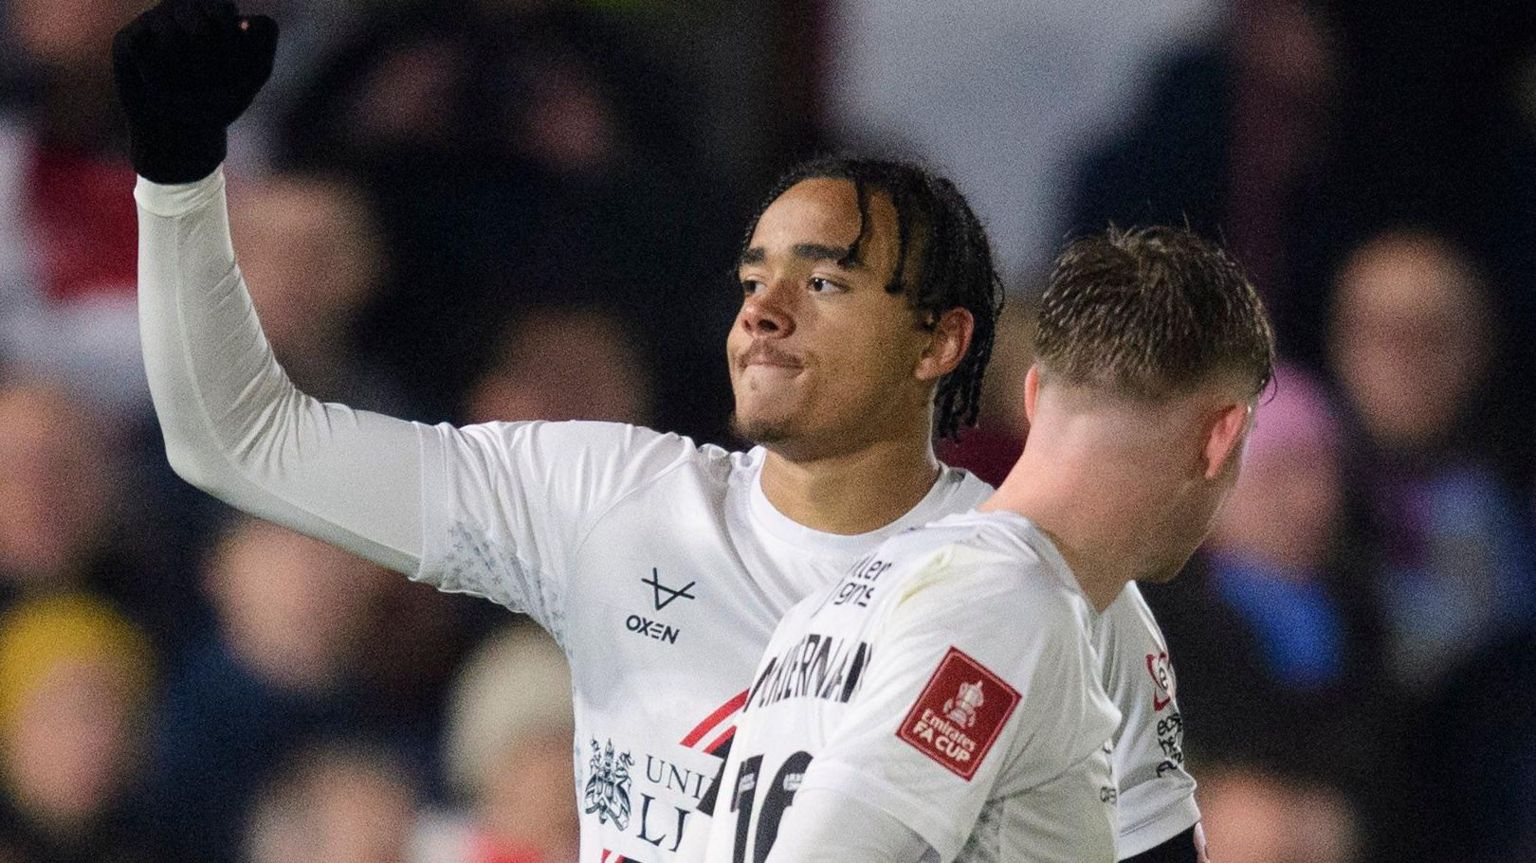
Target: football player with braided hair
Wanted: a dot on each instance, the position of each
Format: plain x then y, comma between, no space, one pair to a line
659,565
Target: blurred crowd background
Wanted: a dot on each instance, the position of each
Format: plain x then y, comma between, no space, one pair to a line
517,209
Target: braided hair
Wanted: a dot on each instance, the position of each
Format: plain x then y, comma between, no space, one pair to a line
954,262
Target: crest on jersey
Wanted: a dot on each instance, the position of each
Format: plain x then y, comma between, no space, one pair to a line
959,714
1162,677
961,709
607,791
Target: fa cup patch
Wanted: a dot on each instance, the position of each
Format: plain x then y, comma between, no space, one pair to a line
959,714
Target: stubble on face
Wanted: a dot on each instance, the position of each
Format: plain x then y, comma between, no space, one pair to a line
761,431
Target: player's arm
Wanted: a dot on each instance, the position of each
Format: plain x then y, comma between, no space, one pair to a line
1187,847
233,423
825,827
828,826
1157,795
491,510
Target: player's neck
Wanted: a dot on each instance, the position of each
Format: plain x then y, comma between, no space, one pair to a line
1096,513
851,492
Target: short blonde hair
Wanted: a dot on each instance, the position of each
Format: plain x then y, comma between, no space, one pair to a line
1151,313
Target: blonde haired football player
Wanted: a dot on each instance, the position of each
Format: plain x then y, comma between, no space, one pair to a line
943,700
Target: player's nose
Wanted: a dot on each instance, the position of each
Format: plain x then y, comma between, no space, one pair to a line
767,313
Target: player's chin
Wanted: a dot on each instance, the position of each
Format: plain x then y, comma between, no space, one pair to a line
1164,572
762,427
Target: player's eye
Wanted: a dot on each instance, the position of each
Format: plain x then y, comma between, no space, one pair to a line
819,285
750,286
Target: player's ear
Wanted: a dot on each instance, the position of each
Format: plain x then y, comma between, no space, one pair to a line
948,341
1224,438
1031,392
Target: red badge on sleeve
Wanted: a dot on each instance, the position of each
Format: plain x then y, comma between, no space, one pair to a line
959,715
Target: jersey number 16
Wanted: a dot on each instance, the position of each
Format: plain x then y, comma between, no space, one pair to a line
779,794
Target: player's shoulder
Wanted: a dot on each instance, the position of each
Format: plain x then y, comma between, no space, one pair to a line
576,432
985,557
1130,606
578,437
1128,618
592,460
965,490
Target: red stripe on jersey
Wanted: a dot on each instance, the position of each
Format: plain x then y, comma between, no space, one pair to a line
714,745
604,858
714,719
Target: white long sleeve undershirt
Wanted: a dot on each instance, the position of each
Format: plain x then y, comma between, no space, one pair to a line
234,425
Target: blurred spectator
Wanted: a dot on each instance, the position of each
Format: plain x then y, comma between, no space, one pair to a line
78,514
313,256
417,637
1231,142
1251,816
1412,343
555,161
1434,132
280,670
1273,666
1479,753
546,83
564,364
341,801
68,239
1412,320
508,753
1414,338
56,488
75,682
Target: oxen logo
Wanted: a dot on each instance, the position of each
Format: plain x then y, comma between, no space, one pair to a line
607,791
961,709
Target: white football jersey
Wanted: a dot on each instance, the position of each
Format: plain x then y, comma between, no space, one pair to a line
949,680
661,569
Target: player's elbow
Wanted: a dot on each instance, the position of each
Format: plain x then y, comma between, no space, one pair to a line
199,467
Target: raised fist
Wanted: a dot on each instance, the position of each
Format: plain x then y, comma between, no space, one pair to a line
185,70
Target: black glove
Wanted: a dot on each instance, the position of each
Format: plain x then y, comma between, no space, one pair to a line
185,70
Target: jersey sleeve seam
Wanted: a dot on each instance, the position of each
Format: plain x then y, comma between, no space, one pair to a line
592,521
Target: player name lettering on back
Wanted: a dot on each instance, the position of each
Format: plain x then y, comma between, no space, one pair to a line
817,666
